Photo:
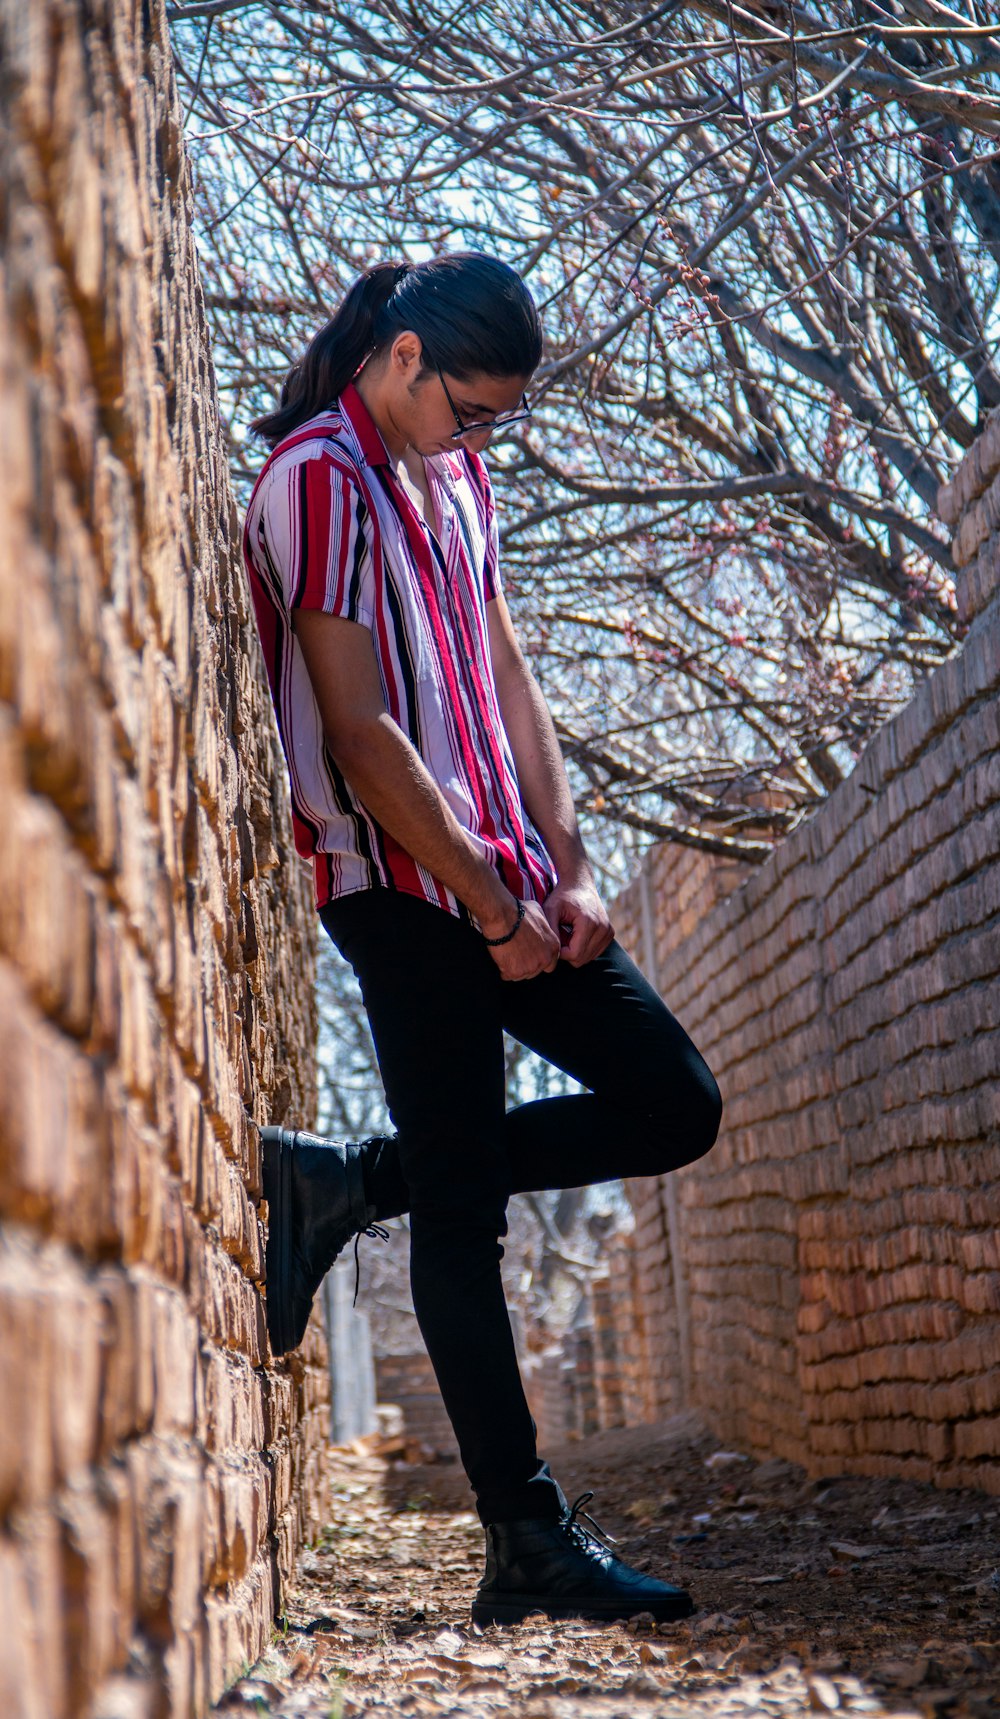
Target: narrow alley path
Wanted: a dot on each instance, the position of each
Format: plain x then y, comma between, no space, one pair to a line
850,1596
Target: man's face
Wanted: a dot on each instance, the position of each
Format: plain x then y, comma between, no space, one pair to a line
421,401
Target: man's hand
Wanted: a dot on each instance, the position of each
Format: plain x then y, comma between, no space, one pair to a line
533,949
575,911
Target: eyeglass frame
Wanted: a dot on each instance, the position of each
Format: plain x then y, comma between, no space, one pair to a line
498,423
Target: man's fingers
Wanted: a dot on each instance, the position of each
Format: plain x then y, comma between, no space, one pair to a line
585,938
588,941
575,950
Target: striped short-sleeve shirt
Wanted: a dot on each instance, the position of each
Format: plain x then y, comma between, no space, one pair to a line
330,527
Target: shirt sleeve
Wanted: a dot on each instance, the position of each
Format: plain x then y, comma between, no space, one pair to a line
317,532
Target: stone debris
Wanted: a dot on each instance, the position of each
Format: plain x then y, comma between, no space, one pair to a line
379,1621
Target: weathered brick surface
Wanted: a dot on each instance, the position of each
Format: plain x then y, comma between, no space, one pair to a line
600,1374
156,1473
839,1243
549,1388
409,1382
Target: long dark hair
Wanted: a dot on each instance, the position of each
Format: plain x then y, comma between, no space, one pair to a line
471,312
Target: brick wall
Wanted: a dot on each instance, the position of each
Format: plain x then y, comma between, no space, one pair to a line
409,1382
552,1398
155,958
838,1286
596,1376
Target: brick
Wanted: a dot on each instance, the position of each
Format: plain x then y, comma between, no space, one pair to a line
980,1292
22,1680
974,473
978,1438
39,1555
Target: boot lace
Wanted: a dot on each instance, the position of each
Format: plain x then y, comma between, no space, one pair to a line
583,1536
379,1233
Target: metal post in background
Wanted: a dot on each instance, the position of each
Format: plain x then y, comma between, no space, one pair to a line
352,1368
667,1184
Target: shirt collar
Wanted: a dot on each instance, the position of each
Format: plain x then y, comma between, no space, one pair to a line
363,429
371,448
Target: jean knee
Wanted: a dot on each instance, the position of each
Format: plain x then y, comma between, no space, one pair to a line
704,1114
711,1106
688,1123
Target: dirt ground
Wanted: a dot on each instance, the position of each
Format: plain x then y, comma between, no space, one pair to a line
846,1595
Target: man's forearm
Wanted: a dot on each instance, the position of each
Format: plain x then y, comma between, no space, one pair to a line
391,780
541,773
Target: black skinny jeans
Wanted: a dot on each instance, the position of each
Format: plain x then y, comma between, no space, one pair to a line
437,1008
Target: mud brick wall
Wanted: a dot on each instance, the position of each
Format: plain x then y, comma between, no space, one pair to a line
832,1268
598,1375
607,1366
631,1397
409,1382
156,1473
548,1386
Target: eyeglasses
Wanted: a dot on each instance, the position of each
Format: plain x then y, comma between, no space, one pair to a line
491,424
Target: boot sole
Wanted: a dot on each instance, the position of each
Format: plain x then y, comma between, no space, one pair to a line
276,1146
599,1611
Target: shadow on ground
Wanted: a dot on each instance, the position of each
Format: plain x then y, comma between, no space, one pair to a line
846,1595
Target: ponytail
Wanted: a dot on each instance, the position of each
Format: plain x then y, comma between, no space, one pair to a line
333,355
471,312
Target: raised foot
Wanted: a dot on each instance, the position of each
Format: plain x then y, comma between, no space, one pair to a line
315,1196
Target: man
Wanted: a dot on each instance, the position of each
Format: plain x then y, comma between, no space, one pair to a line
429,791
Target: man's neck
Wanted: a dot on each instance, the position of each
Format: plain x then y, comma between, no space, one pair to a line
373,391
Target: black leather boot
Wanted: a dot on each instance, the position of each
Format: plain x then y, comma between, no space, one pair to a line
562,1569
316,1202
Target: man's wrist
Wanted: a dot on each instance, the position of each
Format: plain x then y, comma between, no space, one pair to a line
495,909
572,864
507,936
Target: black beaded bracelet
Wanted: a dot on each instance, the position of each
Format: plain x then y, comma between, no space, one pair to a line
494,941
